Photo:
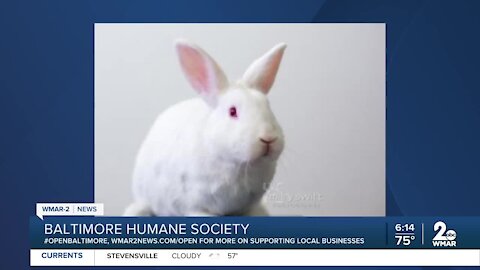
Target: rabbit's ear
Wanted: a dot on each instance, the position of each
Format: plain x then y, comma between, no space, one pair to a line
261,73
203,73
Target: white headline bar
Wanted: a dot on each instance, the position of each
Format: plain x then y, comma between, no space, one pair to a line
69,209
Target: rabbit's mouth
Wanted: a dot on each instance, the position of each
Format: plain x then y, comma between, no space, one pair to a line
267,151
267,144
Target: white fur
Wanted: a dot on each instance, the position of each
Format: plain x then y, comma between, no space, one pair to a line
199,160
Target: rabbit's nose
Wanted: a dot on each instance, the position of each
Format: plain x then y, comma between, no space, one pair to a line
268,140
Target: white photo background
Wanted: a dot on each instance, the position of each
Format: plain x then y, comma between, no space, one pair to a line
329,97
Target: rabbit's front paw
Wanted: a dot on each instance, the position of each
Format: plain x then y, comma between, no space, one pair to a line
199,214
138,209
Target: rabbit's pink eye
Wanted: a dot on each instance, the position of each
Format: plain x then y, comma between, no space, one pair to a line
233,112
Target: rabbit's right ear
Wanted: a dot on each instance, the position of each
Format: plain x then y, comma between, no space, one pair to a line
202,72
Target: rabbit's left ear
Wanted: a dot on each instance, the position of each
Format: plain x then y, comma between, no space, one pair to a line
261,73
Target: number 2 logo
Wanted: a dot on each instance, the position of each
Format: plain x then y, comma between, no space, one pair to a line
442,234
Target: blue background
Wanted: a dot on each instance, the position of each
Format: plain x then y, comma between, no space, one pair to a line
46,97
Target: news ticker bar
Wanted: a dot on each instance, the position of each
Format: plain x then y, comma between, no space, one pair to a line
254,233
249,257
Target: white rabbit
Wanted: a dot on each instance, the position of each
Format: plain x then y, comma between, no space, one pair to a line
214,155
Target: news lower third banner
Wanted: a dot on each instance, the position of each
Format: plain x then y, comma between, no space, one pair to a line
254,232
68,235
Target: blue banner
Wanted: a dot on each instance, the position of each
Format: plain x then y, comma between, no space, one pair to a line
254,232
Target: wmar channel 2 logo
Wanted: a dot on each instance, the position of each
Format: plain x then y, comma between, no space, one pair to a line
444,237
